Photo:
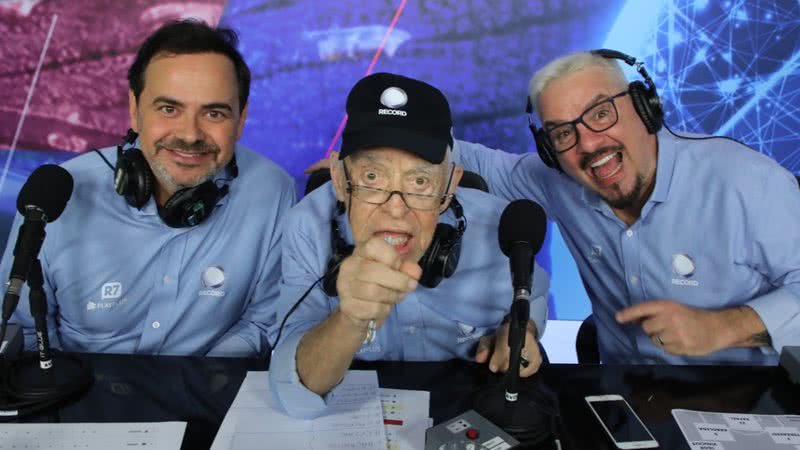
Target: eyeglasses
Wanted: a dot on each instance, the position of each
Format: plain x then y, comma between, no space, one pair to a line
598,117
376,196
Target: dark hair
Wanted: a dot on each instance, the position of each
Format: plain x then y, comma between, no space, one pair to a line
187,37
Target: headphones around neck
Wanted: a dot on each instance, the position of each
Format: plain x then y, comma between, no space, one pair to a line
134,180
439,261
645,100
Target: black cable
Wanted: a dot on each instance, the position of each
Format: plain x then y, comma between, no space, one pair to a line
104,159
302,297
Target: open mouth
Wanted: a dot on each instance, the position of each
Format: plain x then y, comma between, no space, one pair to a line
400,241
605,168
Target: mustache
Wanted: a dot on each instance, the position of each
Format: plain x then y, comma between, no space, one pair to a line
589,157
193,147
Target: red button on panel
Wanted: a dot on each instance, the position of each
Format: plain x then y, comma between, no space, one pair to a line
472,433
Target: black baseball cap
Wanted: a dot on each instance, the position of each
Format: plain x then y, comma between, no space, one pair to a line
388,110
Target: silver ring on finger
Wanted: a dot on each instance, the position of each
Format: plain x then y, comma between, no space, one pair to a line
660,342
371,328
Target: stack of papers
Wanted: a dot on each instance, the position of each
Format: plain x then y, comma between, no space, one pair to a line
726,431
361,416
405,415
354,418
93,436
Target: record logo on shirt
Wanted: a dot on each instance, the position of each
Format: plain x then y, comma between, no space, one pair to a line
683,266
213,279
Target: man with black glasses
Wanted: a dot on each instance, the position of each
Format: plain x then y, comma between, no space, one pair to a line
687,246
416,272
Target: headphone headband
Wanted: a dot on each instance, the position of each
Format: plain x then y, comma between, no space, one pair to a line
629,60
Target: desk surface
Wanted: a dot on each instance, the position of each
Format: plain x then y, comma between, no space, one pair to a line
135,388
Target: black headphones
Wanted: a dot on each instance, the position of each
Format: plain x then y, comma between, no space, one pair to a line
439,261
645,100
134,180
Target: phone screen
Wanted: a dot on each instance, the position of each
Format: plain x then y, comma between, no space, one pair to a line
621,421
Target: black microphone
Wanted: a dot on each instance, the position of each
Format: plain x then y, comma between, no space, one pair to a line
521,409
523,225
42,199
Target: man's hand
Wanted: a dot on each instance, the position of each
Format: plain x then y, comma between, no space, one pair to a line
372,280
323,163
495,350
686,330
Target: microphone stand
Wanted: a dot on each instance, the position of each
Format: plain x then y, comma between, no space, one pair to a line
523,412
518,324
38,305
32,384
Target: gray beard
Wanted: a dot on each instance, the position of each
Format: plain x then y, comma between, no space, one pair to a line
629,200
169,183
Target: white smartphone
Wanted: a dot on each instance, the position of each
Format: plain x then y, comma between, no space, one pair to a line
621,423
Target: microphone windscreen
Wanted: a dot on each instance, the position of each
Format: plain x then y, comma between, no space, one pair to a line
48,188
522,221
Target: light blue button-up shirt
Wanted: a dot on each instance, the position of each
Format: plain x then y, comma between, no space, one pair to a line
721,228
118,280
428,325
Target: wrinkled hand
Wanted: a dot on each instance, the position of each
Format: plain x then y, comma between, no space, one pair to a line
679,329
498,355
372,280
321,164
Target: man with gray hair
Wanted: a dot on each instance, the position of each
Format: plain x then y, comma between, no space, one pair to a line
687,246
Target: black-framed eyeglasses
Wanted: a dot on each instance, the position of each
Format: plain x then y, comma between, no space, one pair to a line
598,117
377,196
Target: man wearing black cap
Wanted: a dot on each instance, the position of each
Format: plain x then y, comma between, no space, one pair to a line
410,278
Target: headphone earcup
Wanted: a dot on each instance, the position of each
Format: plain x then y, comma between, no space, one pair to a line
441,259
647,106
133,178
191,206
544,148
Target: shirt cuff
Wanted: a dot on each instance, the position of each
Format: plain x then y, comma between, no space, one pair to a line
287,389
780,312
233,346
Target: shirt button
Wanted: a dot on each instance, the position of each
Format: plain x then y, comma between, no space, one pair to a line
634,279
411,330
166,279
629,233
156,324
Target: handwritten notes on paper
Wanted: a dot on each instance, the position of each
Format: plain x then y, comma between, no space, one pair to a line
354,420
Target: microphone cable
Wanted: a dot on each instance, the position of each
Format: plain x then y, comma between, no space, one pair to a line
296,304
